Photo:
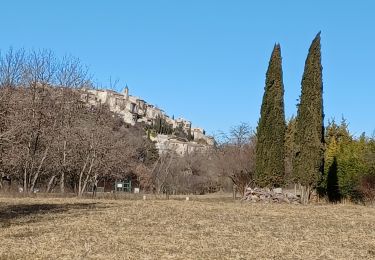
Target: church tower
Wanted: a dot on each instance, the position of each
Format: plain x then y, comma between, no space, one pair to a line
126,92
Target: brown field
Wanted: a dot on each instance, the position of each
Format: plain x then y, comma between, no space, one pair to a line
203,228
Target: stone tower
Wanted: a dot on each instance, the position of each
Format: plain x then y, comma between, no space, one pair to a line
126,92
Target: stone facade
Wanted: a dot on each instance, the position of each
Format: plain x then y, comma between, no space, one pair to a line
180,146
200,136
135,110
131,109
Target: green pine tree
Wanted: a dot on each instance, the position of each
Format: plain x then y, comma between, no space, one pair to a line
270,150
308,163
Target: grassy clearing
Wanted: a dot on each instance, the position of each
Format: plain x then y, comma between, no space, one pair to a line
198,229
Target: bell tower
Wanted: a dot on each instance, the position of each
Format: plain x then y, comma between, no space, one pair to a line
126,92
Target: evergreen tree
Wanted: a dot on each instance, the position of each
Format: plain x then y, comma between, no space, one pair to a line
289,149
270,149
189,135
308,163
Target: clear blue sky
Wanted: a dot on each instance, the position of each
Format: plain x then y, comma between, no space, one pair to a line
206,60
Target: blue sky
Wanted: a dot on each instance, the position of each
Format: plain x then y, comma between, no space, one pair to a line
206,60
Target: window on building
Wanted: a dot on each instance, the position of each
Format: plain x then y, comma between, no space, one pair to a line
132,107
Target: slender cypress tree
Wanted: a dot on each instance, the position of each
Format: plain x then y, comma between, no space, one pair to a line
270,150
308,163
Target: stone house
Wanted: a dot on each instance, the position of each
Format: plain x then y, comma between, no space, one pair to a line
135,110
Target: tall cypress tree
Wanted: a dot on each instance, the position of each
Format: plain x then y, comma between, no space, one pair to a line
308,163
270,151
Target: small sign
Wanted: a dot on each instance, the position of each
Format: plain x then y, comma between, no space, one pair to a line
136,190
119,185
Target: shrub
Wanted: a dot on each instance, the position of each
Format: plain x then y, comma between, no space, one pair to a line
367,188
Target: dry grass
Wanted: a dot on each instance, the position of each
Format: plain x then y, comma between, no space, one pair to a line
206,229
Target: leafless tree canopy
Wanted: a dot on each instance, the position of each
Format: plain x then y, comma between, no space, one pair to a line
50,139
231,160
235,156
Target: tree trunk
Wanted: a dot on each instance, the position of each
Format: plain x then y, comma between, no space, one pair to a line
308,191
25,179
38,170
50,183
62,180
95,186
84,185
87,177
62,177
81,175
305,194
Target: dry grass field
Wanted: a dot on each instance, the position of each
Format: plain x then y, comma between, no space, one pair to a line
205,228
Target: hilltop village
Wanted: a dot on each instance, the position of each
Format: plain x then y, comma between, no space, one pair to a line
134,110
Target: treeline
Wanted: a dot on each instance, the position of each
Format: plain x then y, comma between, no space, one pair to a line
324,160
350,165
50,140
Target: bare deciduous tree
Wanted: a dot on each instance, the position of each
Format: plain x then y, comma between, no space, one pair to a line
236,156
48,135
